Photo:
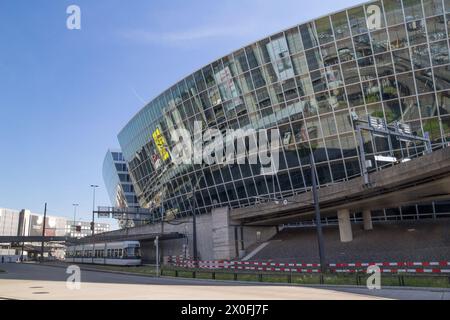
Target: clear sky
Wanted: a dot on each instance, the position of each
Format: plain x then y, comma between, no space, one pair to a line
65,94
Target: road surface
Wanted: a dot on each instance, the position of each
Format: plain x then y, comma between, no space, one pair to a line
33,281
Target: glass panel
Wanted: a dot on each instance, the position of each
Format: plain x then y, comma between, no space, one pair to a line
314,59
392,111
345,50
329,54
416,32
427,106
442,77
420,57
318,80
355,95
300,64
444,103
439,53
436,28
367,68
388,88
432,7
394,13
350,72
384,64
340,25
371,92
380,41
294,41
406,85
402,60
398,36
424,81
309,36
410,109
362,45
413,10
357,20
324,31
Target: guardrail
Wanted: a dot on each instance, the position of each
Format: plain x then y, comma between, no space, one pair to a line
441,267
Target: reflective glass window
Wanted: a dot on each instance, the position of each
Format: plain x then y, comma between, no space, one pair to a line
398,37
439,53
444,103
253,56
416,32
324,30
402,60
340,25
420,57
314,59
300,64
309,36
424,81
410,109
442,77
413,9
384,64
388,88
392,111
362,45
427,104
329,54
354,95
393,11
380,41
436,28
294,41
357,20
367,68
318,80
371,92
350,71
345,50
406,86
432,7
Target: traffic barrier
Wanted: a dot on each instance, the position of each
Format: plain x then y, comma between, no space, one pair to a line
385,267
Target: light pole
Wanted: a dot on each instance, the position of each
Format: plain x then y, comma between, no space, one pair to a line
323,266
75,205
93,186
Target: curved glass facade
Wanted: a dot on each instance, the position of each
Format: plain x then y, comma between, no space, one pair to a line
389,59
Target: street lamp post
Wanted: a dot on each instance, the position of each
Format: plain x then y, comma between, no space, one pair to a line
75,205
93,186
323,266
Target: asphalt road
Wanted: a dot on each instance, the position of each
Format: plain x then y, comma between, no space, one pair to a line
33,281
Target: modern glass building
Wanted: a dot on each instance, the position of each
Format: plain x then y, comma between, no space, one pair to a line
117,181
388,59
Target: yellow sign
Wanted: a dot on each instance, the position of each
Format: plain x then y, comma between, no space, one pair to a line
160,144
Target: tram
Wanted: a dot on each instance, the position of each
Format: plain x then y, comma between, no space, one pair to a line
121,253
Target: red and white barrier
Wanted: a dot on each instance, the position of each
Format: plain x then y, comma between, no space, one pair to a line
385,267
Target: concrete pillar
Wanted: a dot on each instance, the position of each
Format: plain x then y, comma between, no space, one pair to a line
367,218
345,227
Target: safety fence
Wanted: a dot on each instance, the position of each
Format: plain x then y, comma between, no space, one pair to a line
442,267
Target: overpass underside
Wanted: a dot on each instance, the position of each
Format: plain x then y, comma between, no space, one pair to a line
420,180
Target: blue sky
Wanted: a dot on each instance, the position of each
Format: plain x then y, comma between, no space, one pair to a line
65,94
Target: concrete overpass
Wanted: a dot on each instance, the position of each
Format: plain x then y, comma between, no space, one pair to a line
423,179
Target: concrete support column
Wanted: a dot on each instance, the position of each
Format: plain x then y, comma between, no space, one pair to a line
345,227
367,218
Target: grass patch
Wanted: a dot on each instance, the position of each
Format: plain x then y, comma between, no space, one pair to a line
1,270
409,280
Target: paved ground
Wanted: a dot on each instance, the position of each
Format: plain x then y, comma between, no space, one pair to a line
25,281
